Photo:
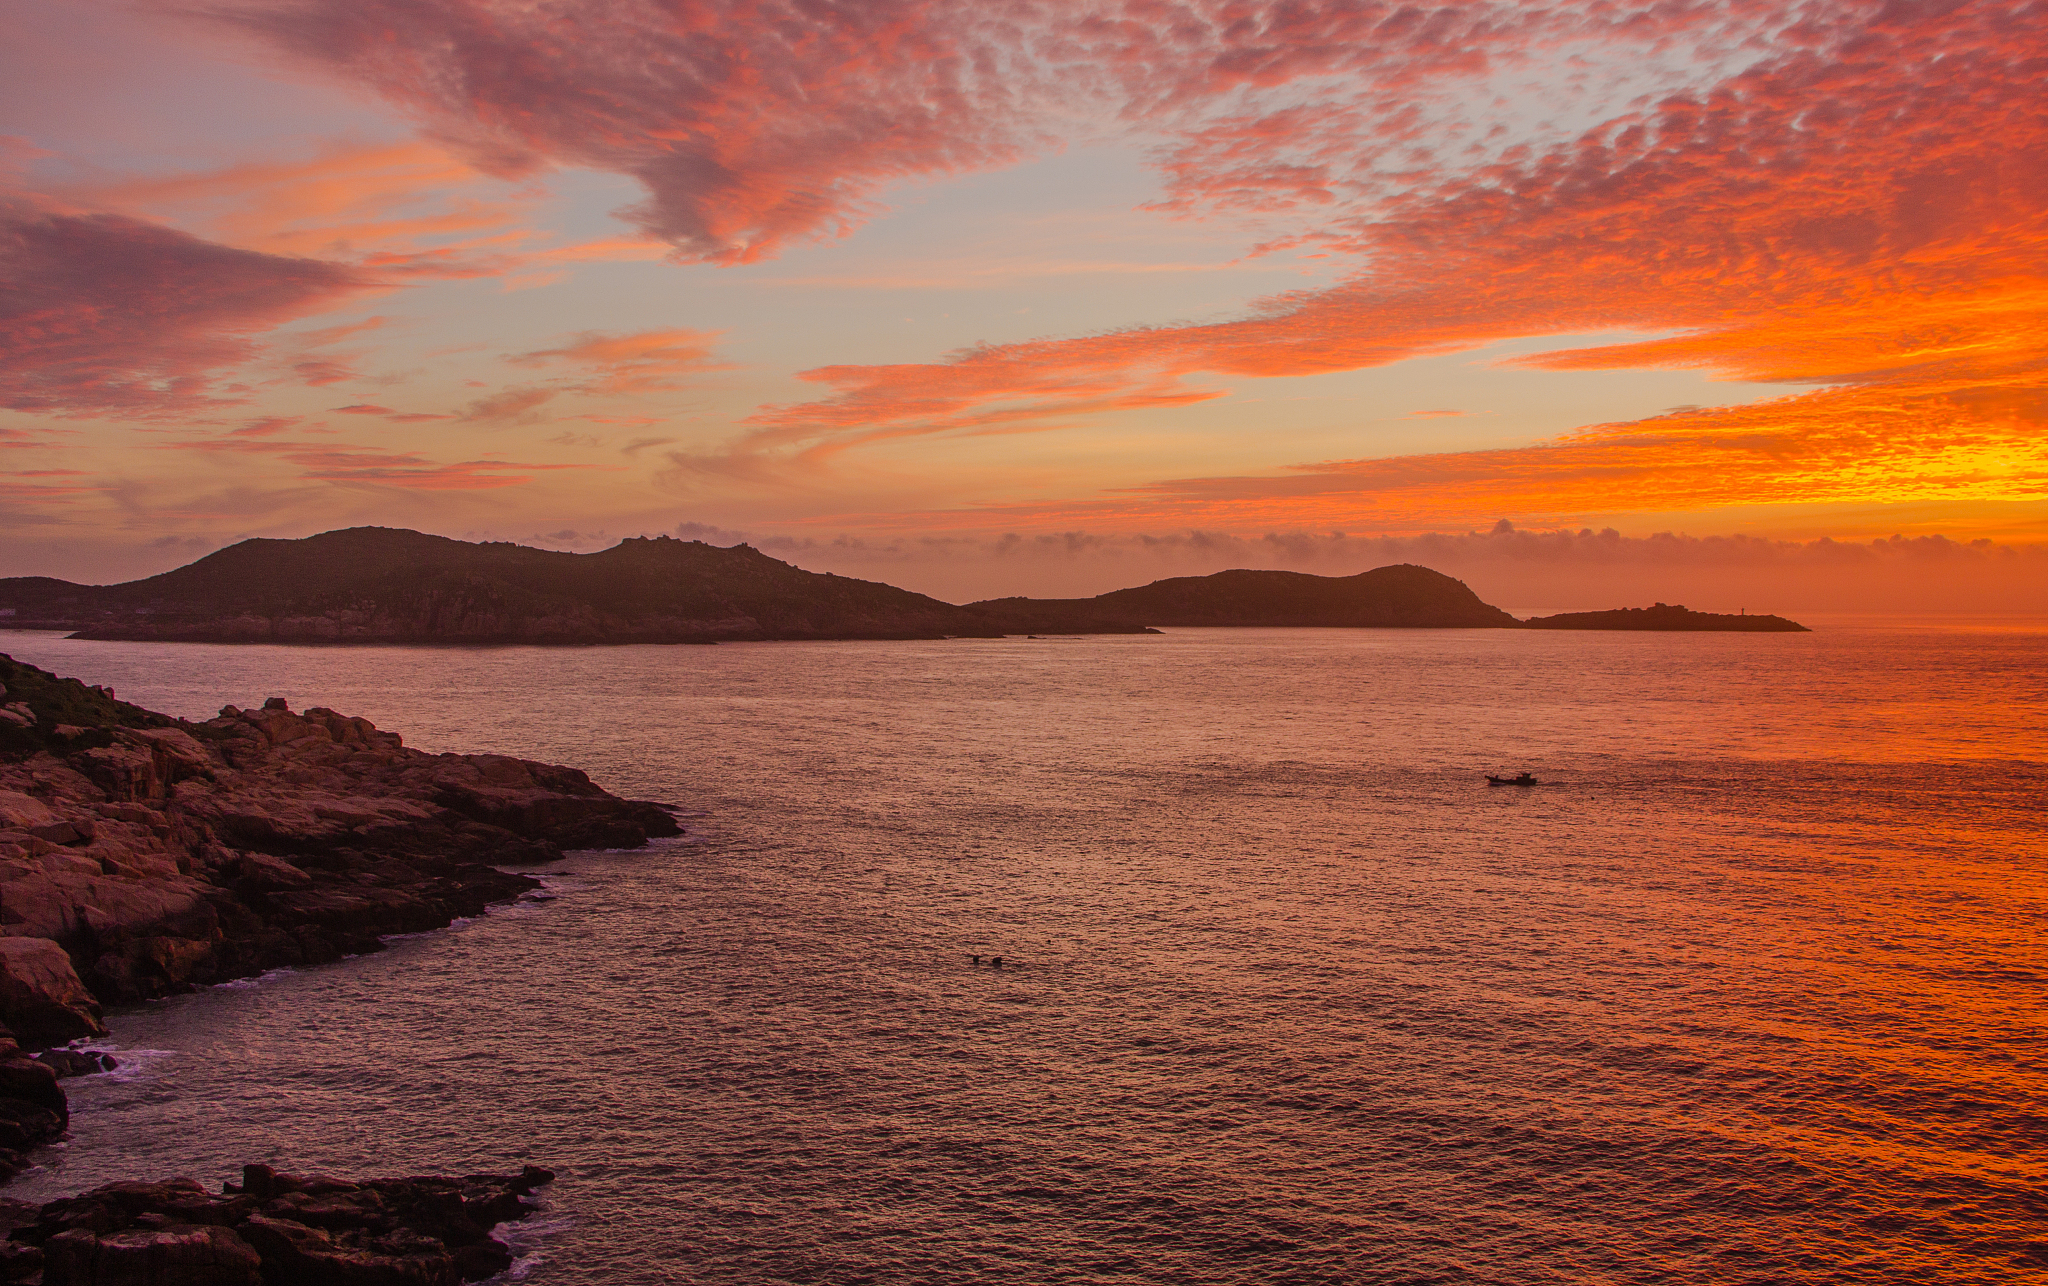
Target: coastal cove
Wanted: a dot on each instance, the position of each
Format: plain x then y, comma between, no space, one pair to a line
1295,995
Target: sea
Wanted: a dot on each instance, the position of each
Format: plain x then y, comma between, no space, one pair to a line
1750,987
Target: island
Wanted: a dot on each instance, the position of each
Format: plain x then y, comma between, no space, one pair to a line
381,585
1663,617
389,585
1398,597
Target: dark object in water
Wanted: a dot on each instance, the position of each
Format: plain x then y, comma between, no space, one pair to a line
1523,780
997,961
77,1062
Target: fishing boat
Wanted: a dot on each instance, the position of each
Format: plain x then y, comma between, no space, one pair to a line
1523,780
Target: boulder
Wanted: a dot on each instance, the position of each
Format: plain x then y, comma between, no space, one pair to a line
305,1230
24,811
298,1253
176,1255
77,1062
23,1080
32,1112
41,997
20,1263
261,871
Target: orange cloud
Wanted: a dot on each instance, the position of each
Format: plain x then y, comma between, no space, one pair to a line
411,211
985,390
1868,211
508,406
755,123
749,123
408,209
649,361
342,463
1851,197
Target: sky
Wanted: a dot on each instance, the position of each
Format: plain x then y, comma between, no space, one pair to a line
1589,302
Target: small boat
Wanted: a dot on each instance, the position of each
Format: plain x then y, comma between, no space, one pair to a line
1524,780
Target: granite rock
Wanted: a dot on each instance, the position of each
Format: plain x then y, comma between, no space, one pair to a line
142,856
274,1229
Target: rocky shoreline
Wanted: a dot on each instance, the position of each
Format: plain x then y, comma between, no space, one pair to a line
271,1229
142,856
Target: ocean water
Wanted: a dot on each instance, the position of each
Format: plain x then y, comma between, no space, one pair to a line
1749,990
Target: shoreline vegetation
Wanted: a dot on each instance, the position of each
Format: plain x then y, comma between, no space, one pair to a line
143,856
378,585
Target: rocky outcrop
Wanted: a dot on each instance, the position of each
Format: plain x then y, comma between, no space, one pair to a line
33,1110
141,856
273,1229
40,992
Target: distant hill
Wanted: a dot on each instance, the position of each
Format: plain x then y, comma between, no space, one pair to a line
389,585
384,585
1662,617
1399,597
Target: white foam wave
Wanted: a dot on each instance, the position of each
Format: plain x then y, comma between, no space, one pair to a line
525,1239
134,1064
245,984
460,921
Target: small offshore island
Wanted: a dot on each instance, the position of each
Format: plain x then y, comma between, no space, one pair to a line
142,856
1661,616
380,585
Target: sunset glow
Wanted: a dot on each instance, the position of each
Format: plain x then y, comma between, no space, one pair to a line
893,282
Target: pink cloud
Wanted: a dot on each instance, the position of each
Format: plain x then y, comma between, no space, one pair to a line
320,372
396,417
109,315
1866,210
755,123
343,463
749,123
408,210
508,406
648,361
